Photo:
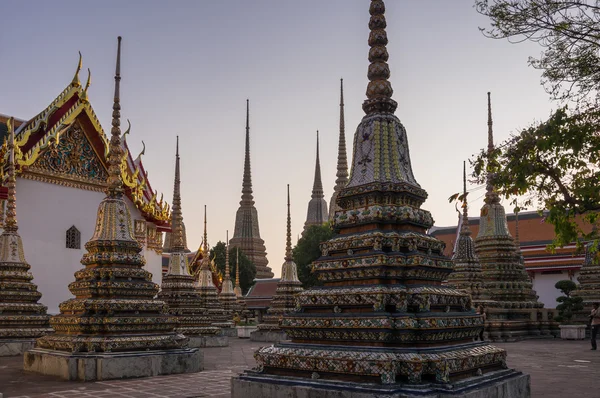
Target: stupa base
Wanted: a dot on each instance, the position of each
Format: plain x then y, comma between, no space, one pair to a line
230,331
107,366
14,347
269,336
499,384
208,341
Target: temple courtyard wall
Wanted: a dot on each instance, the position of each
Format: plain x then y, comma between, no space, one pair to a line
557,368
46,212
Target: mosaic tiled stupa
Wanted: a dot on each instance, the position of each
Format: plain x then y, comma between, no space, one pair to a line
283,301
209,294
382,324
317,206
178,288
516,312
467,273
342,159
113,328
246,234
227,296
22,318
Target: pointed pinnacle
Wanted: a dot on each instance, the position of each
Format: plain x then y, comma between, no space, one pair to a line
10,224
115,153
247,179
288,241
227,276
342,161
317,191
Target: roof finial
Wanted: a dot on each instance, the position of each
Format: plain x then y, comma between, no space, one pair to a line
247,180
465,224
75,82
288,241
379,90
342,164
10,224
115,153
490,196
177,244
84,94
227,276
317,191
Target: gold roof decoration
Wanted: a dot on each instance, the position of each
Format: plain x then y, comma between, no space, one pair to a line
44,131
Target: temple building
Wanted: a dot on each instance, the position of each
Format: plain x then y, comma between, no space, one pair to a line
61,158
178,288
283,301
342,159
246,234
317,206
113,328
22,317
382,324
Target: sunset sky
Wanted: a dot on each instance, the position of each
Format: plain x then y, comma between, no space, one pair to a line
188,67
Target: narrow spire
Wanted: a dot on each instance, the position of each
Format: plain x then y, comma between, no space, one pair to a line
205,240
288,241
317,191
490,196
177,244
247,180
75,82
10,224
379,91
465,230
517,242
227,276
115,154
342,163
237,267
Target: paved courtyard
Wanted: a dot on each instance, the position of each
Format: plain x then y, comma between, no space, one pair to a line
557,368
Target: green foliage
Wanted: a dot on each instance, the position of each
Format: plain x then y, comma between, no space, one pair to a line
307,250
568,305
555,167
247,268
569,32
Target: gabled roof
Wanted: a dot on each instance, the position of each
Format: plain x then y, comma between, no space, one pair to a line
42,132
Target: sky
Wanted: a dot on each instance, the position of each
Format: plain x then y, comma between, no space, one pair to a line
189,66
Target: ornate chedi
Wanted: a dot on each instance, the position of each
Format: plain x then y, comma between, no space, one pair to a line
168,243
467,274
113,328
209,294
515,312
178,288
283,301
317,206
382,323
227,296
342,160
589,284
22,318
246,234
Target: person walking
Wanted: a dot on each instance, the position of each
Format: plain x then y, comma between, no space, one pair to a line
595,321
481,311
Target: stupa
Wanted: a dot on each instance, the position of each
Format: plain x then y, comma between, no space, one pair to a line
227,296
246,234
113,328
317,206
178,288
209,294
22,318
516,312
467,274
168,243
589,284
382,324
342,159
283,301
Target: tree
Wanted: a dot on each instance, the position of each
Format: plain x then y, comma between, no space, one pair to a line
569,31
307,250
568,305
556,166
247,268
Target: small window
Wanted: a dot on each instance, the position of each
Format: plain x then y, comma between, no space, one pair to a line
73,238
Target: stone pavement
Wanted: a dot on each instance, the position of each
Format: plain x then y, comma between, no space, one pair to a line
558,369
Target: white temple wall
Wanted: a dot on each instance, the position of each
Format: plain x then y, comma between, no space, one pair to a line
543,284
45,212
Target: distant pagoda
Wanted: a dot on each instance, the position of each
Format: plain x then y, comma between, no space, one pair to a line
246,234
209,294
589,284
178,286
467,274
227,296
342,160
317,206
283,301
382,324
113,328
514,313
22,318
